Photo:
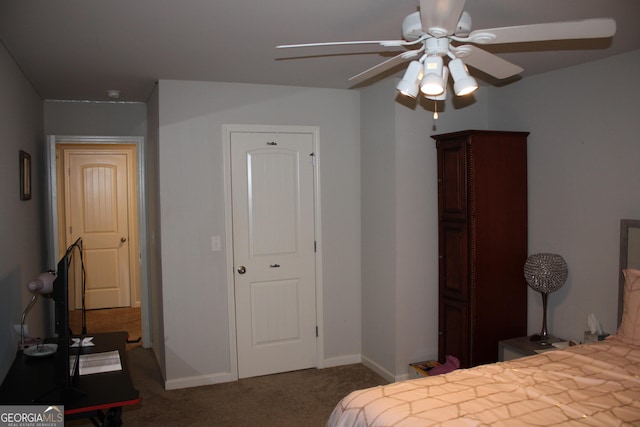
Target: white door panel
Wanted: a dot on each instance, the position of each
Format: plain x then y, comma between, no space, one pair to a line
273,239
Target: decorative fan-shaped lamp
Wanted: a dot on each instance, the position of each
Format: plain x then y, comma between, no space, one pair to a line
545,273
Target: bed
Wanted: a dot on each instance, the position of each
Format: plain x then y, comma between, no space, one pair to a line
595,384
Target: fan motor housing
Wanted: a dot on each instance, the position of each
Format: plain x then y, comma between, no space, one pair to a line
412,27
464,25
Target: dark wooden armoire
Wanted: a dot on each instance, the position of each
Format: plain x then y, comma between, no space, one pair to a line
482,209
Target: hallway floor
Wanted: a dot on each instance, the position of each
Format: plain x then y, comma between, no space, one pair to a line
109,320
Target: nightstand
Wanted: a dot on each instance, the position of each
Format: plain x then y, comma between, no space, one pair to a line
515,348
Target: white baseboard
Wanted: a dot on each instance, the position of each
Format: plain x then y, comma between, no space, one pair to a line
160,366
403,377
348,359
378,369
198,380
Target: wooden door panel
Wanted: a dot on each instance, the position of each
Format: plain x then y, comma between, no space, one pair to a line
98,203
454,330
452,180
454,260
103,267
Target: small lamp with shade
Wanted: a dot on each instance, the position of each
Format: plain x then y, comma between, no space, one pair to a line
41,285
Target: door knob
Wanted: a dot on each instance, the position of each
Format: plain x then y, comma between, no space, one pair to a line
242,269
123,239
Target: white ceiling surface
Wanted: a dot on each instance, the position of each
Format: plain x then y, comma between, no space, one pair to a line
78,49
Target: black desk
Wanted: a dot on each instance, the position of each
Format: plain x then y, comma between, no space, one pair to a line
32,378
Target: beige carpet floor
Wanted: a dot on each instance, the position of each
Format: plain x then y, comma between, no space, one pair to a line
297,399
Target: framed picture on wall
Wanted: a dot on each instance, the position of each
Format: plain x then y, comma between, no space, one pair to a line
25,175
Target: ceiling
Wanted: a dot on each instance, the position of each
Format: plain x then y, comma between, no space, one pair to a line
79,49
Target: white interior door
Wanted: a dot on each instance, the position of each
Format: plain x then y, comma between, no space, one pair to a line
98,198
273,240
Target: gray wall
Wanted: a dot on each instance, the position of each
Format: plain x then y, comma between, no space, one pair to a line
21,222
417,222
153,229
95,118
400,224
584,177
378,222
192,200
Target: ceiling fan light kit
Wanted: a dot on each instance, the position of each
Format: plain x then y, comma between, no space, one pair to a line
440,22
463,84
443,95
432,82
408,86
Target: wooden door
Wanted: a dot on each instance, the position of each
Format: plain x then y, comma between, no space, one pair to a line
100,207
273,242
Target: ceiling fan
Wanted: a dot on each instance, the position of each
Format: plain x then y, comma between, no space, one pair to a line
440,42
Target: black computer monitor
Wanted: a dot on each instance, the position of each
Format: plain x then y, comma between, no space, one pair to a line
63,375
61,326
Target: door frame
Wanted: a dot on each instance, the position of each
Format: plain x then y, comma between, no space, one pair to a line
227,129
51,210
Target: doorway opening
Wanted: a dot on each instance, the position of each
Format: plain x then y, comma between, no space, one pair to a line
96,192
127,319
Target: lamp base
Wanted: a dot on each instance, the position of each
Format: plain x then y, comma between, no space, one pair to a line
542,339
28,342
543,336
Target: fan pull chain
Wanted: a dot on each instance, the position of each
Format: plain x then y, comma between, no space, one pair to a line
435,110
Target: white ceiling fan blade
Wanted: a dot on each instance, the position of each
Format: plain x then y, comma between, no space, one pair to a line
440,17
387,43
386,65
486,62
586,29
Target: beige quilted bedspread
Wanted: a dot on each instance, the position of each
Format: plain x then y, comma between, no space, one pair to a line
596,384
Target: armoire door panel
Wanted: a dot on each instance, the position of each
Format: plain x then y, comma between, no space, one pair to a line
454,331
452,180
454,260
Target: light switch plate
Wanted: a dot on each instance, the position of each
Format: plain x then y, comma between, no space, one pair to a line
216,243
